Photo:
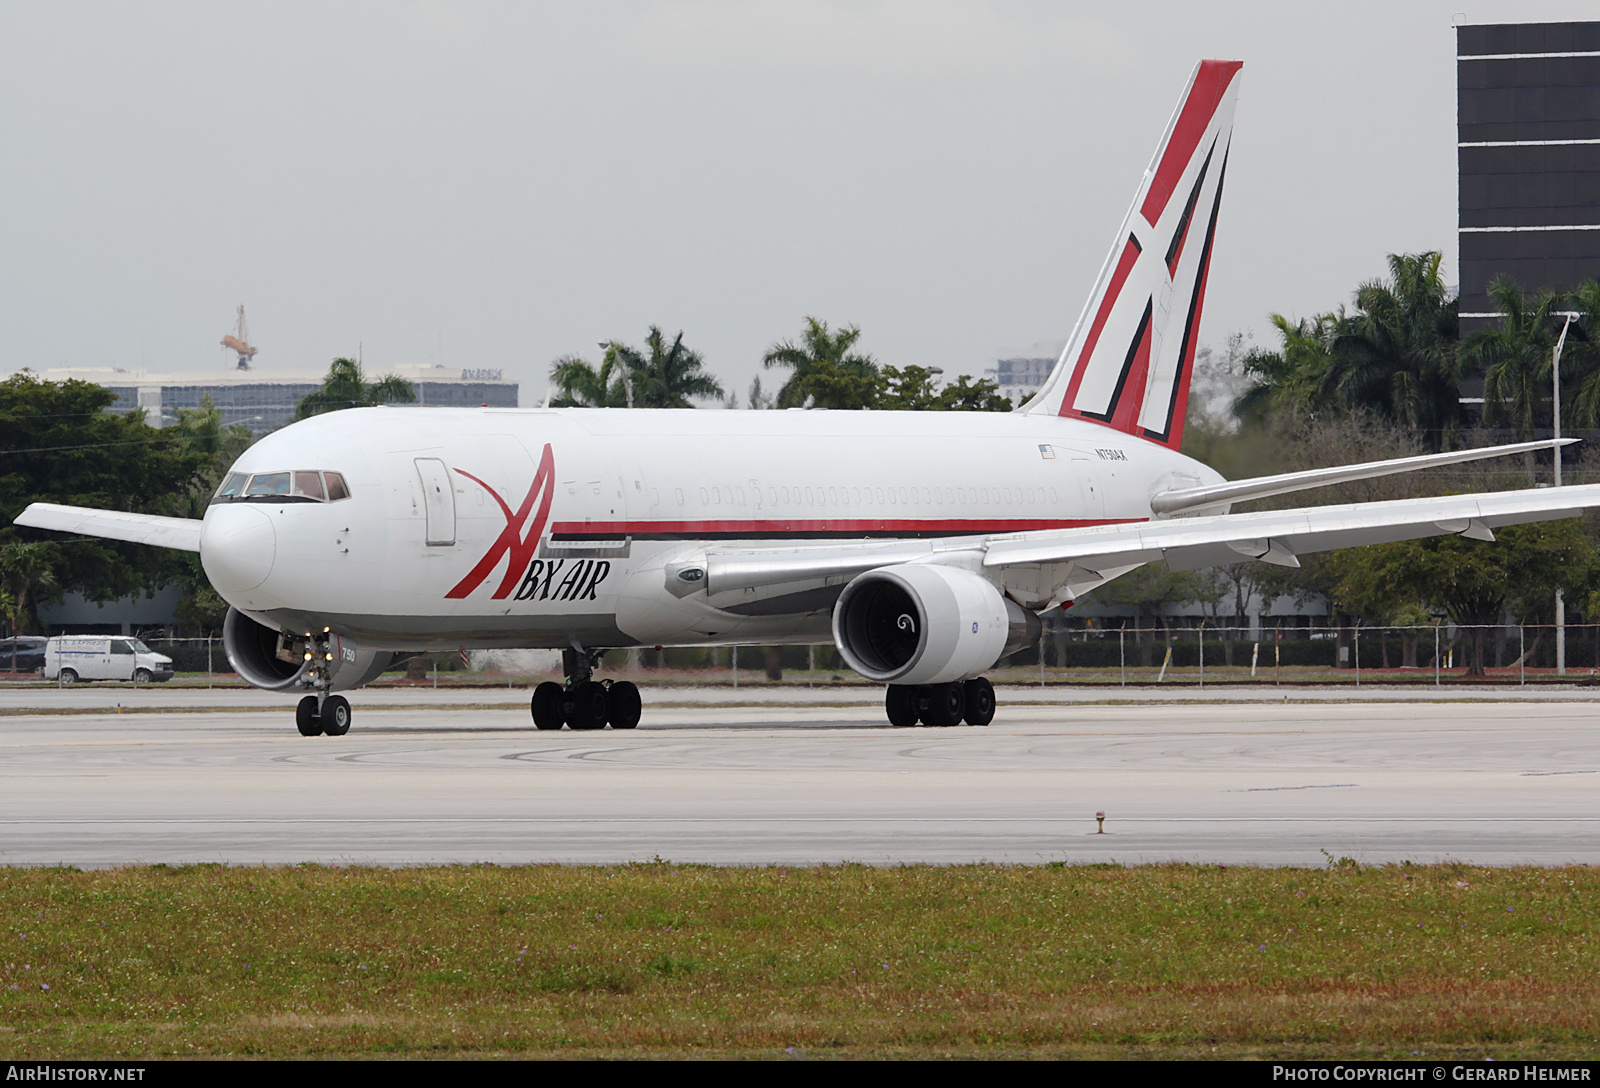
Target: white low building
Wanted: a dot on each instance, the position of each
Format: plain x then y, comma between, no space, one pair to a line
264,400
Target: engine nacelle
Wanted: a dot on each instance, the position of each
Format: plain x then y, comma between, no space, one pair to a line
276,660
925,624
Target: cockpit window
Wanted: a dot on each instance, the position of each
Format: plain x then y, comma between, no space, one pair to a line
267,484
297,486
308,484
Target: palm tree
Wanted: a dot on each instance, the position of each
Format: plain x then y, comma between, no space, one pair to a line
576,383
1516,356
347,387
1292,380
1580,358
819,349
1397,355
669,376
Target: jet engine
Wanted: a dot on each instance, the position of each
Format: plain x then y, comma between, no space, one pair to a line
280,660
926,624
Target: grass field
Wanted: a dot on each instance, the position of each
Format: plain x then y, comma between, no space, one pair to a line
844,961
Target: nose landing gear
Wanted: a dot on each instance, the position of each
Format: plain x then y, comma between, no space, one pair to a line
321,714
584,702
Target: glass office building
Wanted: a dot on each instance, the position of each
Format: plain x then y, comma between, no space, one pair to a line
1528,153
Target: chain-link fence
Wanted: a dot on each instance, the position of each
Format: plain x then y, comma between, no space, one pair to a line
1177,654
1211,652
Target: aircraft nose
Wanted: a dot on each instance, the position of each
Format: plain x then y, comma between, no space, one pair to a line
237,547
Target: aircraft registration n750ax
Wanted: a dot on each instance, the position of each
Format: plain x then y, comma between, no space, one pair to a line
926,543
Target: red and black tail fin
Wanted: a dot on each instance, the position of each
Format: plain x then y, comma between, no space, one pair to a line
1129,360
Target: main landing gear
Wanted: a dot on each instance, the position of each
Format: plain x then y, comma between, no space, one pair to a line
584,702
322,714
971,701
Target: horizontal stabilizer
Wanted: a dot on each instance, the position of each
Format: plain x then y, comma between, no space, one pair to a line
181,533
1212,498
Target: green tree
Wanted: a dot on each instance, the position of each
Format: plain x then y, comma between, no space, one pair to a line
908,389
1396,355
577,383
1580,359
823,365
1516,357
1471,582
917,389
841,388
27,579
59,444
669,375
347,387
967,394
1292,381
201,609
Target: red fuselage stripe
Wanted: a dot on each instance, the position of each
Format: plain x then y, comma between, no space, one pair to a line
753,527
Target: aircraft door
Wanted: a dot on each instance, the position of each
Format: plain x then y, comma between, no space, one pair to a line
438,501
1088,477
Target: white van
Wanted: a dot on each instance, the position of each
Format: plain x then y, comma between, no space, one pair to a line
70,658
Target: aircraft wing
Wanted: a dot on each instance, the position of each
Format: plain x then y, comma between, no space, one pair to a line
1277,536
181,533
1087,556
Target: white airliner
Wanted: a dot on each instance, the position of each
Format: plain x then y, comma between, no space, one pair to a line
926,543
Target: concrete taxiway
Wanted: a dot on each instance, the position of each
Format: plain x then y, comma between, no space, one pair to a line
452,777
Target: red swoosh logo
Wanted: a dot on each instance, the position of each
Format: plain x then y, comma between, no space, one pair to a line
512,541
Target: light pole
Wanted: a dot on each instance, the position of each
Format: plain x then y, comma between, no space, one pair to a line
1555,383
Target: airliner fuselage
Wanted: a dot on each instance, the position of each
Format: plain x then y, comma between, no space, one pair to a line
564,527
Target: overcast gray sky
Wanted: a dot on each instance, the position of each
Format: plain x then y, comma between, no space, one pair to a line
498,184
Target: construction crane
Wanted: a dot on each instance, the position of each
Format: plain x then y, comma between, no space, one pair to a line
240,342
